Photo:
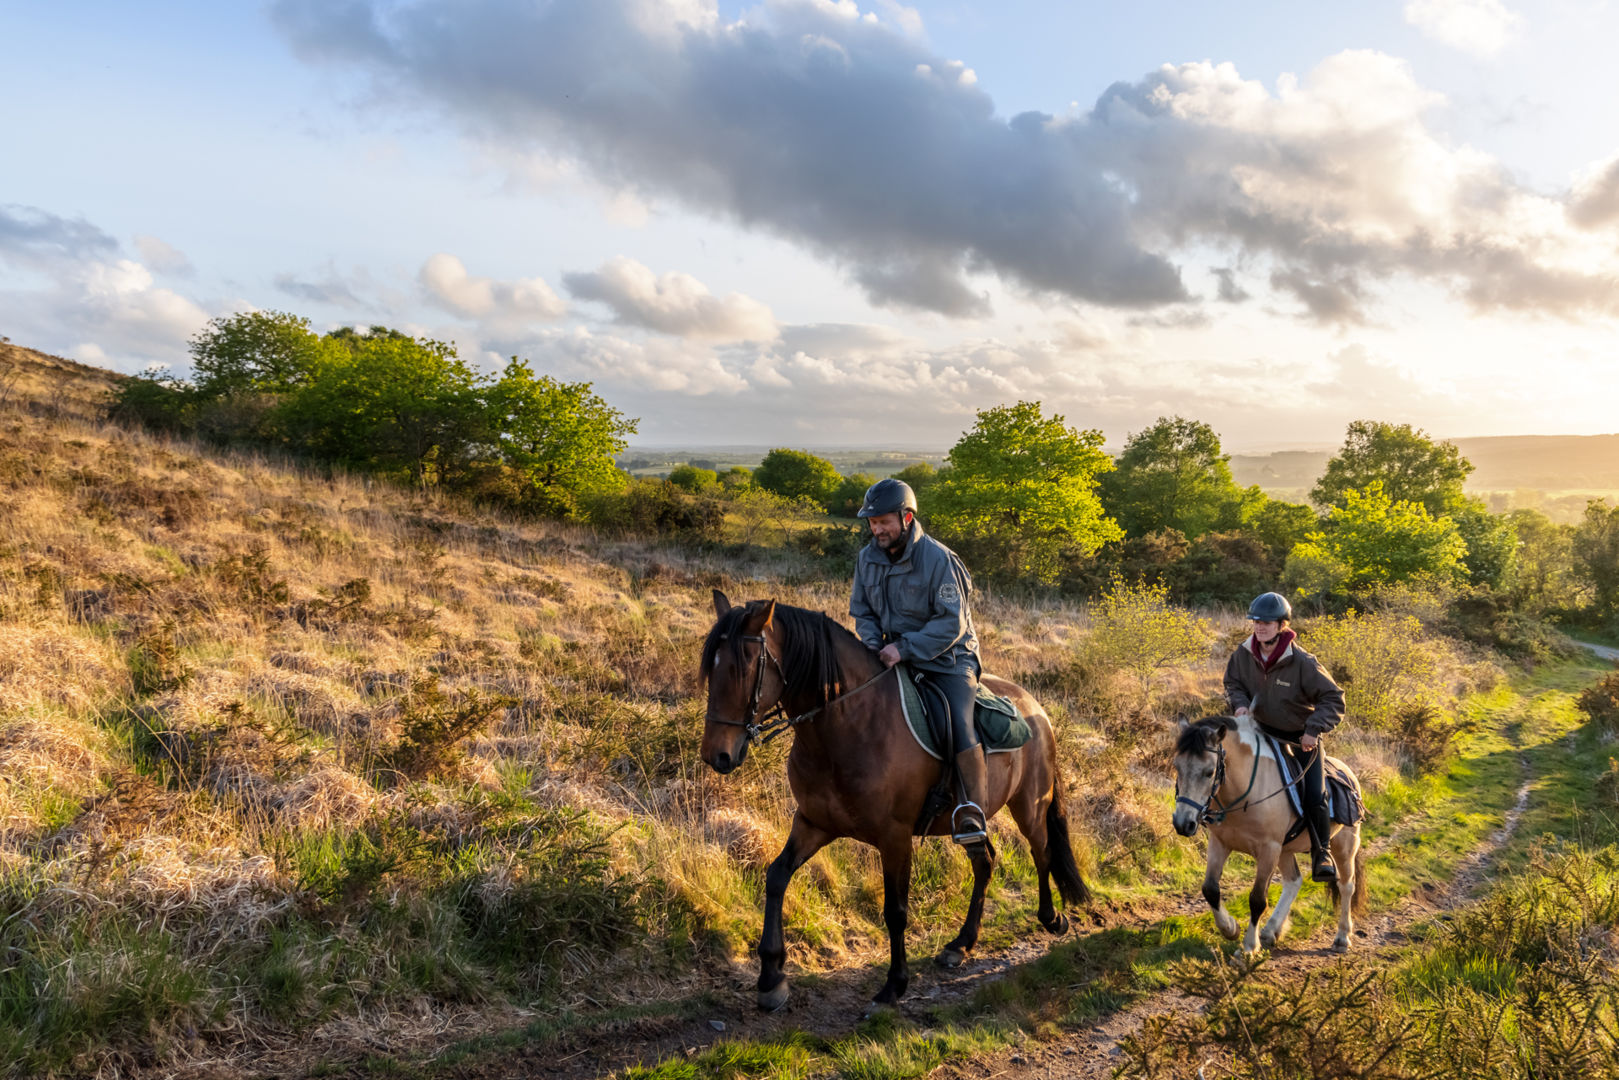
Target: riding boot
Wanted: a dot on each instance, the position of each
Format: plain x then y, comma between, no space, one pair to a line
1322,869
967,823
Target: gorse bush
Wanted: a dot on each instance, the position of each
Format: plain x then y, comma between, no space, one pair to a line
1137,632
1601,702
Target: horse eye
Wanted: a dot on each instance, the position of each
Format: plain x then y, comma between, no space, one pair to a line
1208,774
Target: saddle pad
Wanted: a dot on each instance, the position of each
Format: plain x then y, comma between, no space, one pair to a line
1001,726
1343,789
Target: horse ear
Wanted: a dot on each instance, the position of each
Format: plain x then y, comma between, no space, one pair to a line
722,603
769,612
1219,733
1181,721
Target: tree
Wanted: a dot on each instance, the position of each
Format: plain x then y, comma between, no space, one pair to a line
737,476
1373,539
258,352
1544,581
1492,545
797,474
921,477
561,438
1171,476
694,478
1410,466
1137,630
1021,488
850,495
1278,525
390,404
1596,556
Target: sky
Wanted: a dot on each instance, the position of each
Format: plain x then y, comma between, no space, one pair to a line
850,223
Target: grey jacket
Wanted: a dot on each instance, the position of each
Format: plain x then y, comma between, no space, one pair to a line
918,602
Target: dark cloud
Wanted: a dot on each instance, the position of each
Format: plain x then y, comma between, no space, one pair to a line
332,291
1230,292
849,137
35,237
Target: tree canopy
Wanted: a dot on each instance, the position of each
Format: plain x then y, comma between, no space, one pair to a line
1171,476
1596,556
1374,539
797,474
560,438
1021,489
1411,467
267,352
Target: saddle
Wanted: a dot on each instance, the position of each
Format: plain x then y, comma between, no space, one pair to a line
1001,728
1342,788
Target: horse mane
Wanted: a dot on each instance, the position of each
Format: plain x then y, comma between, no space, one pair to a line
1199,738
809,648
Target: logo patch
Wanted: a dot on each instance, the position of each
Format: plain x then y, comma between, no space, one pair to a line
1283,682
948,593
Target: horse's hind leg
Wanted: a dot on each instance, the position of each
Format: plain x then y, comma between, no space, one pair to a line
1223,919
982,856
1276,926
1350,889
1259,896
896,854
1030,815
804,840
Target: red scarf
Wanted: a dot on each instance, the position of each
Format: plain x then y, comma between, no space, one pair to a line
1279,646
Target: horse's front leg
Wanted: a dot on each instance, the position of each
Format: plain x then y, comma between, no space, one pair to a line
896,853
1278,923
1223,920
1259,897
804,840
982,857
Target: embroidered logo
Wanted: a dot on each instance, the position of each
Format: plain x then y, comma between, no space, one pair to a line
1283,682
948,593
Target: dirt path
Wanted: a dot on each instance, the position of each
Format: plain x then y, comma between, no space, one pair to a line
1603,651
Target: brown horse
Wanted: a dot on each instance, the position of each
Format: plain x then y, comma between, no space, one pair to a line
855,770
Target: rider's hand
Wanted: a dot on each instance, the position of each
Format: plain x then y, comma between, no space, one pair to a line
1242,711
1308,742
889,655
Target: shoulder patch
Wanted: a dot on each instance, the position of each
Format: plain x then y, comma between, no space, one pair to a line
949,593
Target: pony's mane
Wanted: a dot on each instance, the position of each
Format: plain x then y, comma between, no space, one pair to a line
809,648
1199,738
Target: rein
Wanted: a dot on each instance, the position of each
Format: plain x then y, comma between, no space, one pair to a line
776,721
1207,817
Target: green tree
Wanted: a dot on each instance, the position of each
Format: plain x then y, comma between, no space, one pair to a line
850,495
693,478
1411,467
1492,545
1278,525
1135,629
1374,539
1544,581
391,404
1595,545
254,352
737,476
1171,476
921,477
560,438
1021,489
797,474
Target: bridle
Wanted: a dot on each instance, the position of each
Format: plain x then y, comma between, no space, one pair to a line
776,721
1205,816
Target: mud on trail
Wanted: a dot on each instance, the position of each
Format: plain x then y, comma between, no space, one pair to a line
828,1007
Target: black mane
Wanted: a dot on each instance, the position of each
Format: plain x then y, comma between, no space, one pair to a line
809,654
1199,738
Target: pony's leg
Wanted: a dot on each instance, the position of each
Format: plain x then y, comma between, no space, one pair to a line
1345,849
983,860
1030,815
1276,926
896,854
1223,920
804,840
1259,896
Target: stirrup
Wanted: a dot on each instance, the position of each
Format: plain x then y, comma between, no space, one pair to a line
1323,871
969,837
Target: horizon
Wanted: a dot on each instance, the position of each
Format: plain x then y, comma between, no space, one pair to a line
962,207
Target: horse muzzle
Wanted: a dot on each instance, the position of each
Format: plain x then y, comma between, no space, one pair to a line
725,761
1186,824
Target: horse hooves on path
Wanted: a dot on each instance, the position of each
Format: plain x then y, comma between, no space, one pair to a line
1057,926
771,1000
950,958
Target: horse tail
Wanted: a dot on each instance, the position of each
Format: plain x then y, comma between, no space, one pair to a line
1060,850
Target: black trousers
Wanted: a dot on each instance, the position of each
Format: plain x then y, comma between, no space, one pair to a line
1313,788
960,692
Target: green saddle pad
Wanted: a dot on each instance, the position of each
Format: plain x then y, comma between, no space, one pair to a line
1000,726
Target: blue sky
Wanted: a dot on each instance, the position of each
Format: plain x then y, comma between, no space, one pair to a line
819,223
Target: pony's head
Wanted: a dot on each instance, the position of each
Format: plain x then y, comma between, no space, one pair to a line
1198,750
739,671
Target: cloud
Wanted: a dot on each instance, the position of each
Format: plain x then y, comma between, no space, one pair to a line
163,257
331,290
1228,290
672,303
843,133
1595,201
35,238
1479,27
447,285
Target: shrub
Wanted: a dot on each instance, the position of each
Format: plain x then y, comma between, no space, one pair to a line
1136,630
1383,662
432,725
657,508
1600,702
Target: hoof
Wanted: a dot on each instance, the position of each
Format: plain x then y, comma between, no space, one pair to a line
1340,945
771,1000
1267,939
1058,925
1228,930
878,1008
951,958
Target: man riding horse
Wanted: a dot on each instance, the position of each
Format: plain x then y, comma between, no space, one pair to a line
1293,699
909,603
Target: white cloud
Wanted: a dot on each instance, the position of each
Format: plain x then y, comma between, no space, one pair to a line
446,284
672,303
163,257
1479,27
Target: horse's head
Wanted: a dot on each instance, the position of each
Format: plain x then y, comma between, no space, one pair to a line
743,679
1199,754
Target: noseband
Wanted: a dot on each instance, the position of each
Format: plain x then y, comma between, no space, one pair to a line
775,721
1204,815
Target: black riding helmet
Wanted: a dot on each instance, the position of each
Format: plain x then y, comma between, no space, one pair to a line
888,496
1270,607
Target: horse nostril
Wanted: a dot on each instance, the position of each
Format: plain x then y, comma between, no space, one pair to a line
722,762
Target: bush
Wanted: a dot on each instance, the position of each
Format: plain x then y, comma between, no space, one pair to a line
657,508
1136,630
1601,702
432,725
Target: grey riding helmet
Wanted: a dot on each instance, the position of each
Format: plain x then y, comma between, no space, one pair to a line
1270,607
888,496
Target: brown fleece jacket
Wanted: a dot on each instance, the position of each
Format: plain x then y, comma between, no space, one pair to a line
1296,695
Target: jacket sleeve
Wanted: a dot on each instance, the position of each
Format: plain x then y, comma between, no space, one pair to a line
1328,698
947,619
1236,694
865,619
